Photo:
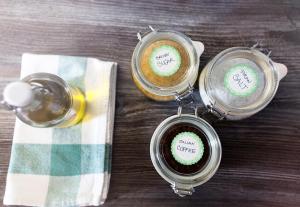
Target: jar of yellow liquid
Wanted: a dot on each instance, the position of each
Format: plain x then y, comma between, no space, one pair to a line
45,100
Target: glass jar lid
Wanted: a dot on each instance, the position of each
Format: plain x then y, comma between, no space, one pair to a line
186,151
239,82
165,63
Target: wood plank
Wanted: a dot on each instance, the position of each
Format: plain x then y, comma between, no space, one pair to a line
260,164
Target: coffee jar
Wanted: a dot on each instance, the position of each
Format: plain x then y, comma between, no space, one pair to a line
239,82
186,151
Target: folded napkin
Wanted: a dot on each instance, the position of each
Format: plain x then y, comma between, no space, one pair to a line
69,166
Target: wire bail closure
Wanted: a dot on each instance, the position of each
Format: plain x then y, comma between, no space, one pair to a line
140,35
182,192
187,99
258,46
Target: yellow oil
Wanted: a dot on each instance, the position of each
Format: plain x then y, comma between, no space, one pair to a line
55,105
77,109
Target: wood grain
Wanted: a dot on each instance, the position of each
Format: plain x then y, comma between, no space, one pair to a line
260,164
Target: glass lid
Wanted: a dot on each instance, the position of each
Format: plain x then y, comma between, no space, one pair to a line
241,80
165,62
185,150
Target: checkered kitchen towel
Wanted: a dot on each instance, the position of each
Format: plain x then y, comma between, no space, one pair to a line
70,166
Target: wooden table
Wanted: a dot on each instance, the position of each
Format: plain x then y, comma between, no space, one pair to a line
261,155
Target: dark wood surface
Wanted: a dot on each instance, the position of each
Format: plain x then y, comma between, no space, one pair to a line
261,155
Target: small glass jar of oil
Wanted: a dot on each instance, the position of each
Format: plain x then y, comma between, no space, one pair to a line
45,100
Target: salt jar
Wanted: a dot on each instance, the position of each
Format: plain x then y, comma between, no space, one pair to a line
239,82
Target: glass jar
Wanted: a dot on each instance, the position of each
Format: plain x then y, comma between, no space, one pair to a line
239,82
165,64
45,100
186,151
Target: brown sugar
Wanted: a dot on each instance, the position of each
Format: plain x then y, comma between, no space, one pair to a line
151,95
148,71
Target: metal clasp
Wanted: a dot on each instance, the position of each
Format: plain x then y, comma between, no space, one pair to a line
181,191
185,98
259,47
210,109
140,35
179,111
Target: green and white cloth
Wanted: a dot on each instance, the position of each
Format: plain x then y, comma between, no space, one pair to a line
69,166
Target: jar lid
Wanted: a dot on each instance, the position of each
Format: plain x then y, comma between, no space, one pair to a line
165,63
238,82
18,94
198,152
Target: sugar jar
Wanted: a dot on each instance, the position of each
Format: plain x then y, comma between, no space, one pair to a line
165,64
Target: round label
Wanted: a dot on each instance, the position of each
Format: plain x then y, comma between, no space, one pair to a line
241,80
187,148
165,60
